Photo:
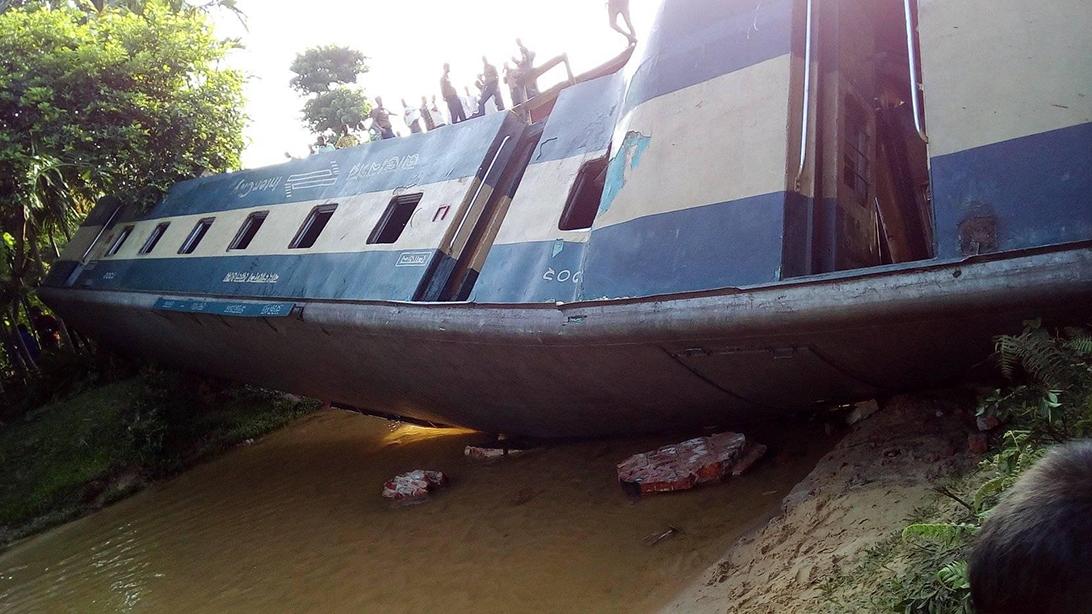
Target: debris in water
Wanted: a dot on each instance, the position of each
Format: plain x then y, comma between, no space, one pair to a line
413,485
688,464
656,538
491,453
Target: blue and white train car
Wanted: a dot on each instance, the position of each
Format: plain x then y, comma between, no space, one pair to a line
773,204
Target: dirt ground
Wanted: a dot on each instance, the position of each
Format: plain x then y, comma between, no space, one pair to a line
858,495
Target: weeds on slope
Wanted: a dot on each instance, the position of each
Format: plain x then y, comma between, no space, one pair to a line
102,443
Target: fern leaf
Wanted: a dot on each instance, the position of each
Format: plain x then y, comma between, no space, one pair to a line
1082,345
955,576
987,490
1040,356
1008,354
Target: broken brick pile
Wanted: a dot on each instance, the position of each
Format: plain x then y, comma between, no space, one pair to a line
688,464
413,485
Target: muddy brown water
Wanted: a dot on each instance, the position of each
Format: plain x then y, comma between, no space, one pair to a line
295,523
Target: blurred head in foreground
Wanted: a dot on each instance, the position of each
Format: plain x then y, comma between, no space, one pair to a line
1034,553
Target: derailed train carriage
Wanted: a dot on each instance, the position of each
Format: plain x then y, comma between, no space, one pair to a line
773,204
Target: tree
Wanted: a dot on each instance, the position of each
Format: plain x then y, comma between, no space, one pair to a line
98,100
137,6
326,74
340,110
318,68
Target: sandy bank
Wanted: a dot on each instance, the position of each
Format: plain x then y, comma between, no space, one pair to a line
858,494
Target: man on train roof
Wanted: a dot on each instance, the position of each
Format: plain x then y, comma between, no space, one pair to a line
381,119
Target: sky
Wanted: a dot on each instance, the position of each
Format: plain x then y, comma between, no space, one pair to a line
407,44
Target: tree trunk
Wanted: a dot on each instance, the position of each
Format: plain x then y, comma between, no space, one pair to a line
32,364
69,340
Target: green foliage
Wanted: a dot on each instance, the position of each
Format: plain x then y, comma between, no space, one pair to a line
48,459
955,576
120,103
1080,342
122,98
340,111
100,444
1038,354
325,74
318,68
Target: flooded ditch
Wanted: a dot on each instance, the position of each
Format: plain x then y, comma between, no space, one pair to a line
295,522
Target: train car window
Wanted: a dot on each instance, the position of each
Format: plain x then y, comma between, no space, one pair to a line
196,235
153,239
248,230
583,203
118,242
395,218
312,227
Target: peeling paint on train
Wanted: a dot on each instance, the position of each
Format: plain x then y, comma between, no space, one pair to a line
625,161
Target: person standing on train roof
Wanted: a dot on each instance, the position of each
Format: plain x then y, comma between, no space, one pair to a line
437,114
621,7
426,114
451,97
513,77
490,80
524,65
412,117
470,101
322,145
381,119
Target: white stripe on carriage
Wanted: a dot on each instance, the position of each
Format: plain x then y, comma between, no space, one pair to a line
1018,85
348,230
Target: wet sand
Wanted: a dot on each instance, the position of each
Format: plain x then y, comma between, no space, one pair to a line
295,523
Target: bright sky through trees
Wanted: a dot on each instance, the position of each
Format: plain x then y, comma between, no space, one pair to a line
407,44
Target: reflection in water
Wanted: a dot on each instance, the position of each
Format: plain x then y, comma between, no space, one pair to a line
295,522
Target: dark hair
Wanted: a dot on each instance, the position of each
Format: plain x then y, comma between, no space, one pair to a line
1034,553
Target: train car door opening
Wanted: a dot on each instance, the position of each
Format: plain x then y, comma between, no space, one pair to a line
871,179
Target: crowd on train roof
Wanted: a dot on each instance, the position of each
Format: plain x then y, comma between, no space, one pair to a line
520,76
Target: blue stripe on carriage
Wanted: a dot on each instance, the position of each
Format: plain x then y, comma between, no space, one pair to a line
694,41
536,272
441,155
377,275
1038,188
728,244
735,243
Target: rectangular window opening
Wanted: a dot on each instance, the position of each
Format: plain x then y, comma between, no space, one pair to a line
395,218
153,239
196,235
583,203
118,242
248,230
312,227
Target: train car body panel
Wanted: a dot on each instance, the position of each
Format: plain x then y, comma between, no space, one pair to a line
740,222
1008,88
